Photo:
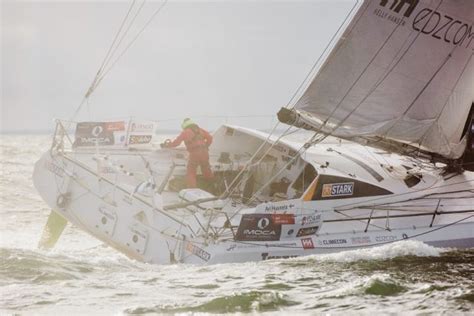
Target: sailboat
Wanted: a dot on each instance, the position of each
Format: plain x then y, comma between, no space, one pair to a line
389,118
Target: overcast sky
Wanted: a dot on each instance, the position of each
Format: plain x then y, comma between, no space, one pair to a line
196,59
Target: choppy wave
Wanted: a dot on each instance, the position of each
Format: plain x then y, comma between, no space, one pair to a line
416,280
252,301
82,276
388,251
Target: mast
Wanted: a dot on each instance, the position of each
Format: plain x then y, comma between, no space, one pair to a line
468,157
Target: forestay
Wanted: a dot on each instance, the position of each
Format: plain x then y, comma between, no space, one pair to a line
401,73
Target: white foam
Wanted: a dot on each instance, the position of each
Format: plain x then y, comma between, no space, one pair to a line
357,285
389,251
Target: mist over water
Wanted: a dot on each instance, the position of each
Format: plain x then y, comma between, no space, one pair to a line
83,276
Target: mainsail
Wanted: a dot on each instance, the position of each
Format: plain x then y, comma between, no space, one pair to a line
402,74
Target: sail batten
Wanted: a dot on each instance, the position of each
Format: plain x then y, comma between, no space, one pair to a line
401,73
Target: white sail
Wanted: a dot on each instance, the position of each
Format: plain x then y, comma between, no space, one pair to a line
402,72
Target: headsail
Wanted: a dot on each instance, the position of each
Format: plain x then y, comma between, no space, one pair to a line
401,74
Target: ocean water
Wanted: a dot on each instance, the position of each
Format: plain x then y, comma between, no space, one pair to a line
83,276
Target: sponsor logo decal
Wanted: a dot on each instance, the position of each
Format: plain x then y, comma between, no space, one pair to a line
195,250
266,256
284,219
337,189
310,219
390,17
279,208
101,133
142,127
97,130
263,223
307,243
333,241
398,5
361,240
385,238
139,139
443,27
258,227
115,126
307,231
427,21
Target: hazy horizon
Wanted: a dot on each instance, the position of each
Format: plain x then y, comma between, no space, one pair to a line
196,59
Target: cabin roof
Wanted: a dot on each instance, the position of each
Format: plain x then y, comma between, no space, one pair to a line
344,158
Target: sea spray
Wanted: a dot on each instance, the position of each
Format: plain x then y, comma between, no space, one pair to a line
387,251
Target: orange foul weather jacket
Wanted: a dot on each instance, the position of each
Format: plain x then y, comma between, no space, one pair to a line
197,141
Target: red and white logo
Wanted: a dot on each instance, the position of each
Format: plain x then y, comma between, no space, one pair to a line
285,219
307,243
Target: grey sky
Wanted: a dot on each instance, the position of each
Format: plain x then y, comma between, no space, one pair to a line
196,59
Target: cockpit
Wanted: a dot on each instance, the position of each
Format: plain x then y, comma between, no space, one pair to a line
252,168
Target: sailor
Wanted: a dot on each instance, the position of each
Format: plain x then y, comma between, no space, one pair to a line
197,141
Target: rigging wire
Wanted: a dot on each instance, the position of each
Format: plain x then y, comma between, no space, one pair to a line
358,204
102,73
216,117
250,161
291,101
100,78
124,34
385,75
410,106
422,138
114,47
355,82
133,41
306,82
380,81
302,149
283,246
91,86
358,78
237,181
116,36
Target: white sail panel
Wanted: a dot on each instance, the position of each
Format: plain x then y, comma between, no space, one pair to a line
403,71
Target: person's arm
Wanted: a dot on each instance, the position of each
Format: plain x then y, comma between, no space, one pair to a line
175,143
207,137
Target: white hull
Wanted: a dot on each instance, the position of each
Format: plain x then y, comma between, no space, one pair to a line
104,194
